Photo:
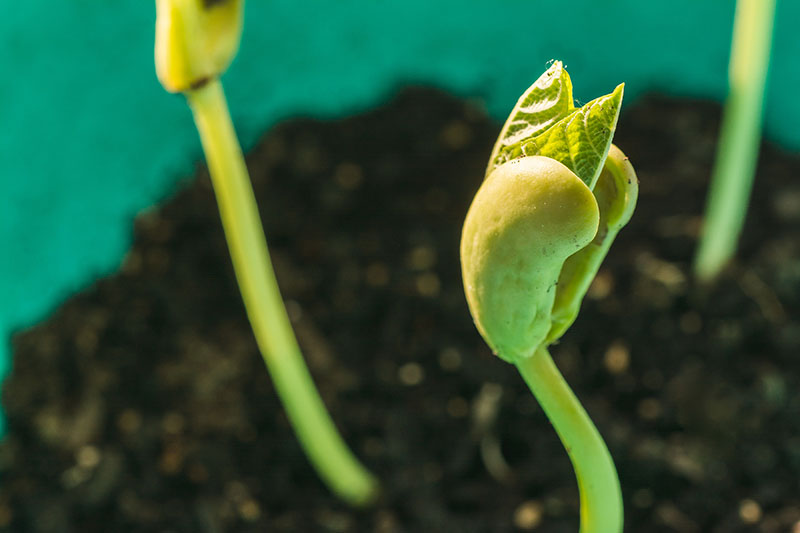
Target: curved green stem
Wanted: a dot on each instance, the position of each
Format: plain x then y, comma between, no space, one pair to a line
600,494
329,454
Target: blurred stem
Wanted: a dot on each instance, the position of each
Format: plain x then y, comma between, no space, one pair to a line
600,493
329,454
737,153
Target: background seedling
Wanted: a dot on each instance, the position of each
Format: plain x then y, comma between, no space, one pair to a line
555,195
737,153
195,42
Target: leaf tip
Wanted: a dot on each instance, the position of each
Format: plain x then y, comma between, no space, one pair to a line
618,92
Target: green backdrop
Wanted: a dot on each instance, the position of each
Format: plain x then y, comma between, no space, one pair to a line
88,138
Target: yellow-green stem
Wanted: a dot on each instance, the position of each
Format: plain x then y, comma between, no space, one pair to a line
329,454
600,494
737,152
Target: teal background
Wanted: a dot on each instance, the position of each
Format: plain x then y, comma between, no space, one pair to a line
88,138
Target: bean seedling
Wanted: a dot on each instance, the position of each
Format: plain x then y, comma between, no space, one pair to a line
195,42
556,193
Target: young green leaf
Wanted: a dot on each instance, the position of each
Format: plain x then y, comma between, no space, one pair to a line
546,102
580,141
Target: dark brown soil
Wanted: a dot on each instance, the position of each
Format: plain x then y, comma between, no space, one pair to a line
143,404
